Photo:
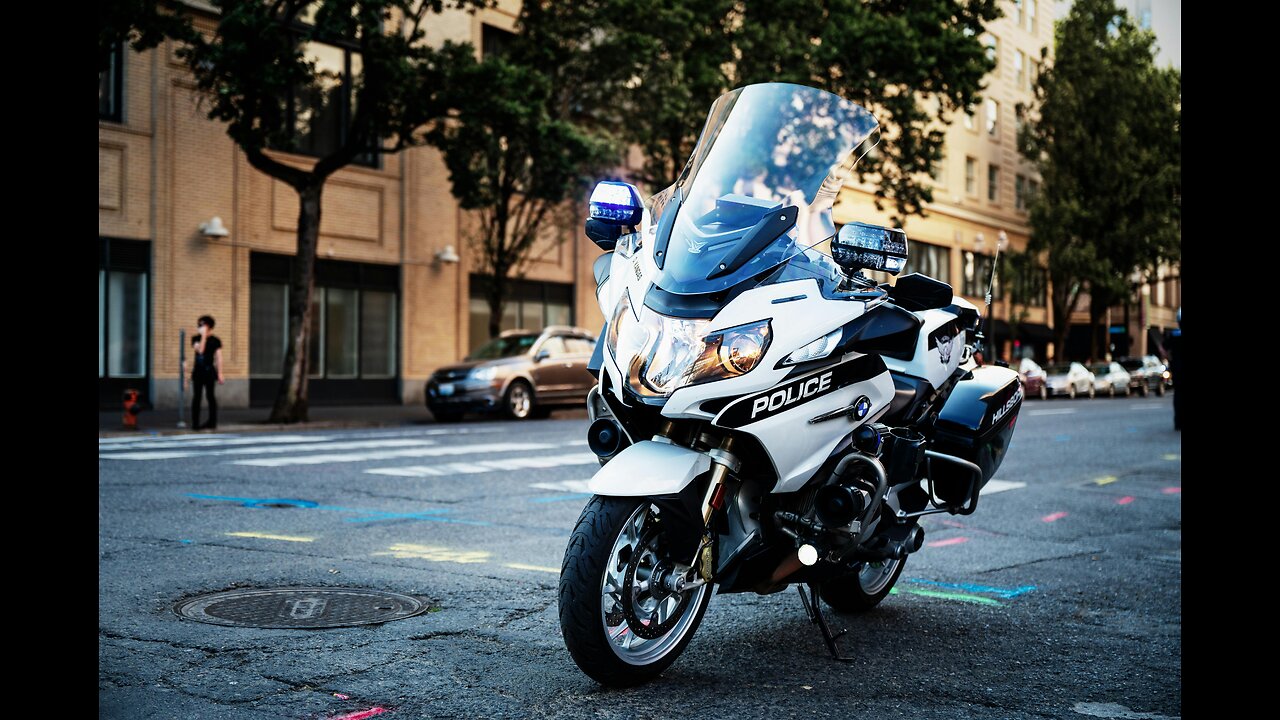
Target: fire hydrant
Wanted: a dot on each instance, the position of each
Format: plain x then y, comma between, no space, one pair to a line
131,409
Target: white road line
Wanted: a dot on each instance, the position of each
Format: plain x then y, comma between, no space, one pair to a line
573,486
203,442
266,449
150,438
1060,411
485,466
995,486
1147,407
392,454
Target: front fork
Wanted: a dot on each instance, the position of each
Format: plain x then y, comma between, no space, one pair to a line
723,464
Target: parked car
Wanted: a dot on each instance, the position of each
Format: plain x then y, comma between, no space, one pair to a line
1032,376
520,374
1110,378
1146,375
1070,380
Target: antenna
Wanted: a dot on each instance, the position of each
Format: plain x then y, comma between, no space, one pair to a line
995,264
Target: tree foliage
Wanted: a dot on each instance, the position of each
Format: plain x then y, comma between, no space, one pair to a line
1105,133
909,62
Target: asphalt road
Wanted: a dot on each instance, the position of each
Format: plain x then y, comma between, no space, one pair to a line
1059,598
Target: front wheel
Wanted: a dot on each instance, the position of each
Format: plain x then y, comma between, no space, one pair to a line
862,590
621,623
1093,391
517,402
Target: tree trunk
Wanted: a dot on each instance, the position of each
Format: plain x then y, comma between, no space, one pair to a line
291,401
496,296
1098,302
1064,303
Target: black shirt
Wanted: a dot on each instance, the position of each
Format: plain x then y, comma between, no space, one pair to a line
204,366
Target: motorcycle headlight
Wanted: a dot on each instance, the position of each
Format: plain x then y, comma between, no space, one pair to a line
483,373
815,350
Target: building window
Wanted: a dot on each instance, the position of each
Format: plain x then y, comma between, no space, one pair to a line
969,123
1029,285
977,274
993,183
971,176
1020,69
494,41
319,115
353,319
939,170
111,88
1021,12
530,306
1033,191
993,117
931,260
1031,16
123,274
1020,192
992,44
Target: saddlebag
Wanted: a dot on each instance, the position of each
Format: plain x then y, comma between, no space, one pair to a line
975,424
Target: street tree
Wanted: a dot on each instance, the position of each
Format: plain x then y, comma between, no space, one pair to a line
519,143
259,73
914,65
1105,134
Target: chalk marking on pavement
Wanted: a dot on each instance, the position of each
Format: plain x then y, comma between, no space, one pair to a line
576,486
361,714
1054,517
539,568
267,449
1125,500
486,466
1172,456
948,541
997,486
950,596
1172,490
1112,711
393,454
1105,480
1006,593
268,536
1060,411
366,515
435,553
153,438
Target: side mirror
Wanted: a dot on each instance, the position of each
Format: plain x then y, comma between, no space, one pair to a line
613,205
542,355
860,246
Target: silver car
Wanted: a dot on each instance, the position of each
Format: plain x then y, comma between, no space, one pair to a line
1070,380
1110,378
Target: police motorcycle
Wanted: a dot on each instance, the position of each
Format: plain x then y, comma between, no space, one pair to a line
766,415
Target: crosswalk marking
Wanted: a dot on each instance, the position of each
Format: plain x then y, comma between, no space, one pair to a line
412,452
198,442
266,449
484,466
573,486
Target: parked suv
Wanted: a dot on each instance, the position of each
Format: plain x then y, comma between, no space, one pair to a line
520,373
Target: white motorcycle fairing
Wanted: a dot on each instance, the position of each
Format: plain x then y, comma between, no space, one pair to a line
668,469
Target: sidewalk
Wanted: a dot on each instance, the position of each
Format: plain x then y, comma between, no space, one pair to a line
165,422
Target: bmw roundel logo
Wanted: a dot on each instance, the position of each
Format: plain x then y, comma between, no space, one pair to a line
861,407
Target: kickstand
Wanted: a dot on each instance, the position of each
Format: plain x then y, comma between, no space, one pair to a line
814,611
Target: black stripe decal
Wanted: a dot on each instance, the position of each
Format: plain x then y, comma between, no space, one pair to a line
794,393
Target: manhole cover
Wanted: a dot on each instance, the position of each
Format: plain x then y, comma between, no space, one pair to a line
299,607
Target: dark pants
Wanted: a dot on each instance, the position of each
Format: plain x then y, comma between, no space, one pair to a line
207,384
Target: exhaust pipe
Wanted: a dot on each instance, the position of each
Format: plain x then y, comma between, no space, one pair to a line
606,439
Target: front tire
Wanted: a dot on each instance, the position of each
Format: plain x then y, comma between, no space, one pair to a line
1044,392
517,401
1092,392
862,590
615,550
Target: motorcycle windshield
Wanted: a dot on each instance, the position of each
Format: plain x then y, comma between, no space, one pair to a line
759,188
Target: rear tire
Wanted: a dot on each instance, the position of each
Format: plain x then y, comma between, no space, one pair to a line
862,590
1044,392
1093,392
1160,389
600,582
1111,391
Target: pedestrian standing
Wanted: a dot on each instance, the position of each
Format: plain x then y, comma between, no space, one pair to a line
206,371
